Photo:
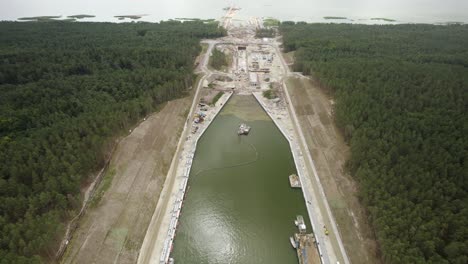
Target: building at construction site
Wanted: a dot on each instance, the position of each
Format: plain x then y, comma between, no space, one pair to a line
253,78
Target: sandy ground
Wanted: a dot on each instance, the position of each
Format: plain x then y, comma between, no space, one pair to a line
113,230
329,151
289,57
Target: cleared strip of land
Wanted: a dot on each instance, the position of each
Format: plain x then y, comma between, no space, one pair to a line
329,151
154,239
113,230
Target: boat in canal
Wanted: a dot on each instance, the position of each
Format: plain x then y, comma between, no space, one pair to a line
219,222
299,222
244,129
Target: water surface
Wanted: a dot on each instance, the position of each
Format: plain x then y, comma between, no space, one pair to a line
421,11
240,208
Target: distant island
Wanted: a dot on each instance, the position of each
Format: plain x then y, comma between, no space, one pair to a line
184,19
334,17
187,19
383,19
129,16
81,16
39,18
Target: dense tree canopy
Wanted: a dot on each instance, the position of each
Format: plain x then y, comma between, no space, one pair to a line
218,59
401,96
66,91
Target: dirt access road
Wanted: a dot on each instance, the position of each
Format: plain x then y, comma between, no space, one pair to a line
113,230
329,151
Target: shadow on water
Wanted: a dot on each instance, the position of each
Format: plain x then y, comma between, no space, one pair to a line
240,207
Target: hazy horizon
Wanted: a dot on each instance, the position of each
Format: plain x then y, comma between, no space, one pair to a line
429,11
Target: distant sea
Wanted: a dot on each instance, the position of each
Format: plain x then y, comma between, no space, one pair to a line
356,11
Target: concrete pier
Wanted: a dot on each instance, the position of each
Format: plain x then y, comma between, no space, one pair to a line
294,181
307,249
306,245
182,165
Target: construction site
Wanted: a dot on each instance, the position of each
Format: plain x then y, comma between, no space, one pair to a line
254,68
257,68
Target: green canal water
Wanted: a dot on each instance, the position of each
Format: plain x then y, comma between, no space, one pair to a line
239,207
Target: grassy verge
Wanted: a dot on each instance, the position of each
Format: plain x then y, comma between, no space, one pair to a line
269,94
103,187
204,48
216,98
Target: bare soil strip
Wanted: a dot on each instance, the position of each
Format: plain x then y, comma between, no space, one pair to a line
327,146
113,230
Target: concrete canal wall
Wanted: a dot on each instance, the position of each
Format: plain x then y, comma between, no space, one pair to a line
190,146
300,172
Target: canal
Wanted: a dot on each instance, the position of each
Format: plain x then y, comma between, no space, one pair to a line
239,207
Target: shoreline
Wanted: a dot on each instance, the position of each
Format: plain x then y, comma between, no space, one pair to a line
354,20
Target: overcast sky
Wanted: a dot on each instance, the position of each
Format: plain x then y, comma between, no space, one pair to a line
453,10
